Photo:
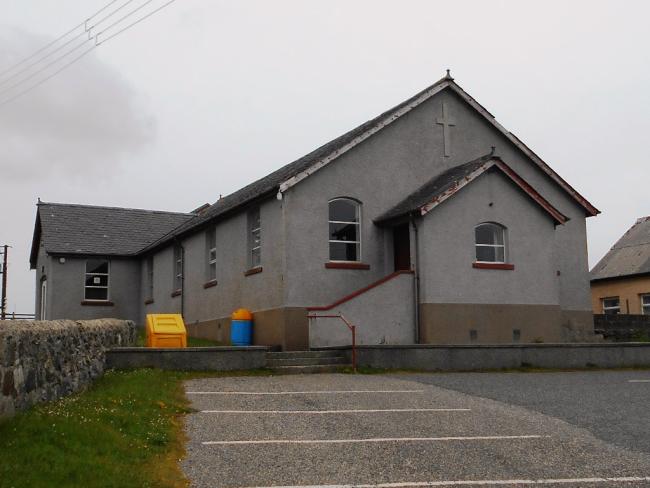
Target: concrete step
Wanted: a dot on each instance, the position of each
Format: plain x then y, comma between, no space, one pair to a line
322,368
300,354
271,363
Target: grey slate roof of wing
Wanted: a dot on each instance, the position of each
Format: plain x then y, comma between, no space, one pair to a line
85,229
433,188
629,256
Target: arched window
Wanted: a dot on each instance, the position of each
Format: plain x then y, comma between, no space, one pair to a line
490,243
345,230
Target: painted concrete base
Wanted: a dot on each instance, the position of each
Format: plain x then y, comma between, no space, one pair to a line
483,357
188,359
285,327
468,323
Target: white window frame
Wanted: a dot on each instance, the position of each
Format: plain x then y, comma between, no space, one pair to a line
108,281
358,242
254,215
43,308
178,267
495,246
617,307
645,307
211,253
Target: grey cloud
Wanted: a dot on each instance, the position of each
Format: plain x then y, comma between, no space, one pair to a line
76,124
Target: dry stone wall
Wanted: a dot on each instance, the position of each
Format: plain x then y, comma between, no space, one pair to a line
45,360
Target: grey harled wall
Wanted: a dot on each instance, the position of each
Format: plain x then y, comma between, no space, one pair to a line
41,361
256,292
382,315
447,251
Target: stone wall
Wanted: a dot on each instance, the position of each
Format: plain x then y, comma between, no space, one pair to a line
623,327
45,360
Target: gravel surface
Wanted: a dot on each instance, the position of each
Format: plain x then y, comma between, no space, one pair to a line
555,449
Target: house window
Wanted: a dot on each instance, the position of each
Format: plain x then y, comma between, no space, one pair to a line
255,238
96,280
211,254
645,304
611,306
345,230
178,268
150,277
490,243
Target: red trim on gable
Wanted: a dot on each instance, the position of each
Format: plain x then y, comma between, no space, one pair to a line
493,266
361,291
531,192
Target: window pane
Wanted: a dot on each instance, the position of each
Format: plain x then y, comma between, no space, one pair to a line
256,238
255,257
485,253
610,302
344,232
96,280
340,251
344,211
97,266
645,299
499,253
96,293
489,234
212,255
212,271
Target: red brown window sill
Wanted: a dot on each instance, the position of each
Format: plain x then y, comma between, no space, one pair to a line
210,284
253,271
335,265
176,293
148,301
493,266
97,303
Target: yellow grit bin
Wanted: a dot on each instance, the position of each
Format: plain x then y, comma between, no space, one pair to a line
166,330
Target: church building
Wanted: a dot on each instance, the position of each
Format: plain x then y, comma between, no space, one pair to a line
430,223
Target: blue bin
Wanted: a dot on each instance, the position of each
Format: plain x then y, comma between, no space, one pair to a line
241,332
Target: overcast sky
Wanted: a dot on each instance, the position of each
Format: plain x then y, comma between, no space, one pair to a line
206,96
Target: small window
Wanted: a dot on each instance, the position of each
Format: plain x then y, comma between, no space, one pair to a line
150,278
345,230
611,306
96,279
473,336
645,304
255,238
178,267
490,243
211,254
516,335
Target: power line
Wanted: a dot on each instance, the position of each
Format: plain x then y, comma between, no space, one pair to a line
125,17
62,36
86,31
74,60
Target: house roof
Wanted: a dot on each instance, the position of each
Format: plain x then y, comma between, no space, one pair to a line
629,256
447,184
92,230
287,176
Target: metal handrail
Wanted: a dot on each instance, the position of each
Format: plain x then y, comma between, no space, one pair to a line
353,329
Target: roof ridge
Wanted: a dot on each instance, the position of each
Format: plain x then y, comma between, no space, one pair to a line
82,205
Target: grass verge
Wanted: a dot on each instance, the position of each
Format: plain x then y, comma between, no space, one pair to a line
125,431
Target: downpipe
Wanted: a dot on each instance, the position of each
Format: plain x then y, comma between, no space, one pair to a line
416,282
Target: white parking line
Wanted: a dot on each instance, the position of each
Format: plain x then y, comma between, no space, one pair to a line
638,381
629,479
323,412
374,439
324,392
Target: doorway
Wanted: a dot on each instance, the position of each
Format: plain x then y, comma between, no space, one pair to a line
402,247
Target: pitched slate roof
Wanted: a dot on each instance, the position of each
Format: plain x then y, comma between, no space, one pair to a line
629,256
289,175
443,186
92,230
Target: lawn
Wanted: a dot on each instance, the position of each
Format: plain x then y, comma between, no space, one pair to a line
125,431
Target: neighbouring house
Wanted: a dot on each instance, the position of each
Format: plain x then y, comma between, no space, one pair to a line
412,225
620,282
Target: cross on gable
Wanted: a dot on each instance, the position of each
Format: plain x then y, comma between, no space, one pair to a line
446,122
